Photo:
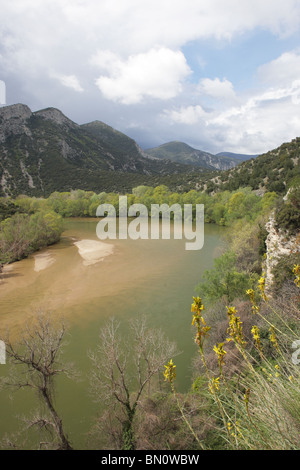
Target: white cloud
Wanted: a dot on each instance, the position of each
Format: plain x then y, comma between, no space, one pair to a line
217,89
138,25
139,46
255,124
39,29
281,71
70,81
186,115
157,73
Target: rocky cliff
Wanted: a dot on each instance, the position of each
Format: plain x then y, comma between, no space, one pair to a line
278,244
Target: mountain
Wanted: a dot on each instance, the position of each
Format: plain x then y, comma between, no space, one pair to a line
240,157
182,153
45,151
275,171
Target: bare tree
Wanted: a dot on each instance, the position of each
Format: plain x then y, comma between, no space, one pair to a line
39,350
123,370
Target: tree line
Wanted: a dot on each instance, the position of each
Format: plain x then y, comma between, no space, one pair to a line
29,223
221,208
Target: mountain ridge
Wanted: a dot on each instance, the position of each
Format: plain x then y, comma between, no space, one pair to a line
45,151
241,157
181,152
274,171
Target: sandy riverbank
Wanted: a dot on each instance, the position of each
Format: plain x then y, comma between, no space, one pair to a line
43,261
93,251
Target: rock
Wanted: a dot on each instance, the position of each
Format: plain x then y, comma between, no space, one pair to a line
13,120
278,244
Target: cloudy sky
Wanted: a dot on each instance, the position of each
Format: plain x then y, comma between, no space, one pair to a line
220,75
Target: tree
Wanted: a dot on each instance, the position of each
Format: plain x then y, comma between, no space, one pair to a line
223,279
22,234
287,215
39,351
122,370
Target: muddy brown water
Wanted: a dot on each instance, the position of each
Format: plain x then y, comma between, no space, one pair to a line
154,278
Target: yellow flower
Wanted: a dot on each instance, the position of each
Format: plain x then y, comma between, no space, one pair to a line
262,286
296,271
231,311
197,305
256,337
220,352
198,320
273,338
170,374
250,292
214,384
246,396
235,329
254,308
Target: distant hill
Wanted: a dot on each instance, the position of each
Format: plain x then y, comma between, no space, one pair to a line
275,171
182,153
240,157
44,151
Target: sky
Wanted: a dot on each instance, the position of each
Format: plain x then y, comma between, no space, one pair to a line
219,75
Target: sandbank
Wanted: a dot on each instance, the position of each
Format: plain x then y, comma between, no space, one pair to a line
93,251
42,261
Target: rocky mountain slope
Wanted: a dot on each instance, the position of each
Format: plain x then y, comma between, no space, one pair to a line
275,171
44,151
239,157
182,153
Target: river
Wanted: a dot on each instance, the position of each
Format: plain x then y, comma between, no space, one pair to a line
154,278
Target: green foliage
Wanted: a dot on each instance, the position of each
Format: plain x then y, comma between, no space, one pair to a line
223,280
7,208
23,234
287,215
274,171
283,269
222,208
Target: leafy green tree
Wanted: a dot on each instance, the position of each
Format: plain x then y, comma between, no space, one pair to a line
223,280
7,208
23,234
288,213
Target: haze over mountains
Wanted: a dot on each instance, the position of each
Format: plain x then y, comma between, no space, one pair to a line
182,153
45,151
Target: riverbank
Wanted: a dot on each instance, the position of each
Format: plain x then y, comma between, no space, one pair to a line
93,251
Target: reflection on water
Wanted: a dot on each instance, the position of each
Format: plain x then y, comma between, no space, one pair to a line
155,278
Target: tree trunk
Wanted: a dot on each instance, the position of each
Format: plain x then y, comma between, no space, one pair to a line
64,442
